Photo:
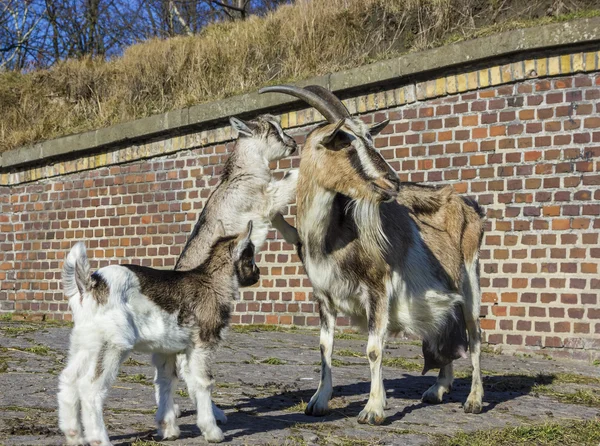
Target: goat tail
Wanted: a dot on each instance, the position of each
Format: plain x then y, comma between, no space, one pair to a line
76,275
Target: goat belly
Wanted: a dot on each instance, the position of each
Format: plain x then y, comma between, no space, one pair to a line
156,330
451,342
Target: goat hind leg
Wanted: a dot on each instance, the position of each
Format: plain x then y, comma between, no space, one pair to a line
435,393
474,403
318,405
93,386
471,310
164,381
183,370
69,404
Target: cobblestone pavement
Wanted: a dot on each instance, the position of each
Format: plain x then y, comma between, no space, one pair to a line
264,379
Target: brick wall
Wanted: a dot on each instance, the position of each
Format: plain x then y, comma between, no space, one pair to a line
522,138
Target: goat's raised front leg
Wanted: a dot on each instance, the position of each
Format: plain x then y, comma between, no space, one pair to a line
373,413
443,384
69,404
318,405
100,373
165,379
289,233
283,192
200,384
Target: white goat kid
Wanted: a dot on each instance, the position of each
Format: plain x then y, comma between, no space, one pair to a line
121,308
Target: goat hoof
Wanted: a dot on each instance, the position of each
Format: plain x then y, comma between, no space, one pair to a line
433,395
219,415
177,410
316,410
371,417
473,406
169,433
74,438
214,435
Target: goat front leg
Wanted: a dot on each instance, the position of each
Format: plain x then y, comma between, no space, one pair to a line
200,384
183,370
289,233
282,192
164,381
318,405
373,413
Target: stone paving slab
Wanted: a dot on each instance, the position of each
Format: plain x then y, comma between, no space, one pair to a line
264,379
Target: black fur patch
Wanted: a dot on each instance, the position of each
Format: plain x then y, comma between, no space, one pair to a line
448,344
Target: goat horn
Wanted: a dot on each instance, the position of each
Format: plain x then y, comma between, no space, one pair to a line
331,99
331,112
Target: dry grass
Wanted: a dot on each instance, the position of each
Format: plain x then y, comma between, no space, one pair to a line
310,37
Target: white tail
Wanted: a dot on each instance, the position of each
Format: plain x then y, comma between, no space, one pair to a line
76,272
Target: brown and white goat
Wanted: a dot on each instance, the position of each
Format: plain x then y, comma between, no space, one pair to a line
121,308
394,259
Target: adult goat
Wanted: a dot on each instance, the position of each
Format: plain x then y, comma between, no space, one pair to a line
394,259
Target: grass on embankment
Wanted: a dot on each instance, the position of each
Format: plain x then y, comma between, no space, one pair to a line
307,38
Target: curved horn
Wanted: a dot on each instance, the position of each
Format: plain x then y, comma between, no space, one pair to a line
330,112
331,99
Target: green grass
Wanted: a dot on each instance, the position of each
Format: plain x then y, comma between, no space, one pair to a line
350,335
402,363
6,317
15,330
583,397
596,362
138,378
133,363
339,363
351,353
182,393
490,350
580,433
250,328
300,407
273,361
40,350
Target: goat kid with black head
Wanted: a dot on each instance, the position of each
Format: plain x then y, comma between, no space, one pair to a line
394,259
121,308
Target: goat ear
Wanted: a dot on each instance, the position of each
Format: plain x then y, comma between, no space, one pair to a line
376,128
243,241
240,126
219,230
332,133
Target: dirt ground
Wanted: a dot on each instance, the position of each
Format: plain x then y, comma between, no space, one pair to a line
265,378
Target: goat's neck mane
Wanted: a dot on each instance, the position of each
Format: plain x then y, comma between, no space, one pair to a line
218,264
246,159
316,212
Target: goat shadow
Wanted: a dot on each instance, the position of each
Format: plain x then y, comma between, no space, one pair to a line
251,416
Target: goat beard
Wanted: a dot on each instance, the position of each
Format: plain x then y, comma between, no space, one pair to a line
367,217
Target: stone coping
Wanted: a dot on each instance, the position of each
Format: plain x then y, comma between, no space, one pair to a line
383,73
